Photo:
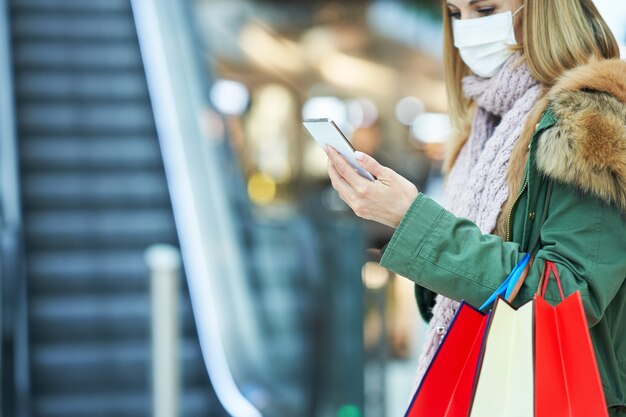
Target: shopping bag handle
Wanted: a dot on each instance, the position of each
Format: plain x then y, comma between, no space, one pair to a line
549,269
512,284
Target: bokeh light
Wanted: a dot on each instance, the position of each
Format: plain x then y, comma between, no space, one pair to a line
261,188
408,109
432,127
349,410
374,276
362,112
230,97
325,107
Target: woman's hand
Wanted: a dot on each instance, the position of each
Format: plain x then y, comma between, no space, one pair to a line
385,200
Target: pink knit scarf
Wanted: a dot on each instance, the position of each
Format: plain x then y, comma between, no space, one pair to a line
477,188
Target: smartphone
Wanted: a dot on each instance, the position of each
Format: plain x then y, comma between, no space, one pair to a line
326,132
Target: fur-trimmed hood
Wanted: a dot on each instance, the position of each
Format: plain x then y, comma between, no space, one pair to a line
586,148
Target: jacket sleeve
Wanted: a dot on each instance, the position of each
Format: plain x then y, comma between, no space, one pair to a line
450,255
424,298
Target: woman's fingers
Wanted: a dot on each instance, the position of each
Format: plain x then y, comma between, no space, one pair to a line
385,201
370,164
345,190
345,170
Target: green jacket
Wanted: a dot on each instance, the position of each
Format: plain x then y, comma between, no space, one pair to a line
580,147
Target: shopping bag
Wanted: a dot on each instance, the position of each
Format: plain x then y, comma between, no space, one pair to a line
504,382
567,382
447,386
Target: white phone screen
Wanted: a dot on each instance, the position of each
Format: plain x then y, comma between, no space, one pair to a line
326,132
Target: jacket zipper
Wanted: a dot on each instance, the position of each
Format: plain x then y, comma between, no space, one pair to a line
508,222
523,189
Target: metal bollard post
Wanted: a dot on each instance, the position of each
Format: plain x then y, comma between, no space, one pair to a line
164,264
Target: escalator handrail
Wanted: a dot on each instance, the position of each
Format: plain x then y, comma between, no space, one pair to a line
173,84
15,393
10,212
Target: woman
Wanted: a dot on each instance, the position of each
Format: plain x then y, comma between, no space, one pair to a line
546,114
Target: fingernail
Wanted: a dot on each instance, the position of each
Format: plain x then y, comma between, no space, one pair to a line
359,155
326,148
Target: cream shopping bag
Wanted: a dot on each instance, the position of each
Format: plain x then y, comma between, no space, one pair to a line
505,380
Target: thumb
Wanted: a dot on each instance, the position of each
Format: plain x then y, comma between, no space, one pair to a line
370,164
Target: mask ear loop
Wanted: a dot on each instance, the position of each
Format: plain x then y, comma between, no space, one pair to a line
516,12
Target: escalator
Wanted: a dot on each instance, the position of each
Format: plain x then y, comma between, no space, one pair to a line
112,159
94,197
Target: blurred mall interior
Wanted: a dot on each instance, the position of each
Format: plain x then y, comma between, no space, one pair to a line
171,244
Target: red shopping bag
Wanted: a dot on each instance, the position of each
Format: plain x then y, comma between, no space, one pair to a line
446,388
567,382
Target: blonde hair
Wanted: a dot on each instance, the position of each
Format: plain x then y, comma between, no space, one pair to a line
558,35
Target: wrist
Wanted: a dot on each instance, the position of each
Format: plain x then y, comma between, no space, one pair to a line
410,199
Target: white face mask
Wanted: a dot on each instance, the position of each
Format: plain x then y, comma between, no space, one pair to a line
485,42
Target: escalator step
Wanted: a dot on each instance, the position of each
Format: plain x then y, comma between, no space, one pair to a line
47,190
54,55
101,119
127,117
129,362
89,153
194,403
80,271
98,318
97,228
72,5
50,25
87,85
